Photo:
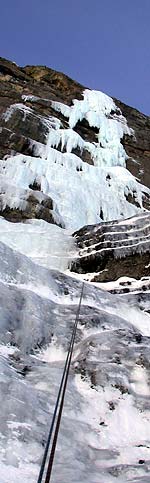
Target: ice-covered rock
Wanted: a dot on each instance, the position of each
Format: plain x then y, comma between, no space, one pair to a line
73,157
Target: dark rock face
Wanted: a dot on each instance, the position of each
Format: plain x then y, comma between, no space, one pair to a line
114,250
34,81
34,209
138,146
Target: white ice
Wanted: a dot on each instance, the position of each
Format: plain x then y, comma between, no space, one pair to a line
97,108
83,194
46,244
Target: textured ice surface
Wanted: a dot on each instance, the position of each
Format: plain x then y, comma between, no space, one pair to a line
100,112
38,308
44,243
83,194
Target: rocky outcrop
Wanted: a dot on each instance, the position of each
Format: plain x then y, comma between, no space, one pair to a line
36,206
40,82
138,146
112,250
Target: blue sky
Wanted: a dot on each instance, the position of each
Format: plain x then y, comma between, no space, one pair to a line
104,44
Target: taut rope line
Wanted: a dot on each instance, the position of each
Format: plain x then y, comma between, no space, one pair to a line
59,405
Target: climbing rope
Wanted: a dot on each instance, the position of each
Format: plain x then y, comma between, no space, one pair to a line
59,405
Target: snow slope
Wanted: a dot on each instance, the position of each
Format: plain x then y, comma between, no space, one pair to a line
105,392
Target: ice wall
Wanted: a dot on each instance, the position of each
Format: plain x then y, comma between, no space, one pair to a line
82,193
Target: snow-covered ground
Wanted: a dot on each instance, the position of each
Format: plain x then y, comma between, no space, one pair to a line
108,386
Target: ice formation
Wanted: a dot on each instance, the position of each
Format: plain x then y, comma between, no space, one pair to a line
50,123
100,112
46,244
39,303
83,193
14,107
